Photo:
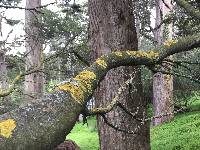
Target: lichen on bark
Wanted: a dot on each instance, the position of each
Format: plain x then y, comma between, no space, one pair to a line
82,86
7,127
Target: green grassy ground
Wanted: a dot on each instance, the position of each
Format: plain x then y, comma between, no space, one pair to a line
85,136
183,133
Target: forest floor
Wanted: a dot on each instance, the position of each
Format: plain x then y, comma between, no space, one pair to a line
183,133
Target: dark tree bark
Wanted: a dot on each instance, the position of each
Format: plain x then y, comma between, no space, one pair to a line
33,82
112,27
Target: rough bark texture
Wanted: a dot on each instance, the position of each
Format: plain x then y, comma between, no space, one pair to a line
34,81
112,27
162,84
40,125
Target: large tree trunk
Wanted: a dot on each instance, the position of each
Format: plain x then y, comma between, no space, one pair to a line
33,82
162,84
112,27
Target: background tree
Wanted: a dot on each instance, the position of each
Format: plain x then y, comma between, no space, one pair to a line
34,50
162,83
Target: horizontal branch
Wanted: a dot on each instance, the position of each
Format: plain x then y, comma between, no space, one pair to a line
24,8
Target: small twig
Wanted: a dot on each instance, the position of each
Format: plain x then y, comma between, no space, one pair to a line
24,8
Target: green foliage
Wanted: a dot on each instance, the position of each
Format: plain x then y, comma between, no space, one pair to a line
186,24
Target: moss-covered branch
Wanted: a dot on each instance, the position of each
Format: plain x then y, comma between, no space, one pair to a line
44,123
189,9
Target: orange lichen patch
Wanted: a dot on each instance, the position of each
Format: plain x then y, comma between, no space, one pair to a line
6,127
101,63
148,54
83,85
119,54
169,42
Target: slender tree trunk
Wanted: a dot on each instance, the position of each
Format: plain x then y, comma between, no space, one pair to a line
162,84
33,82
112,27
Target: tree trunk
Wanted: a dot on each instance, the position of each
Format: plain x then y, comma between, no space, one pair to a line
33,82
162,84
112,27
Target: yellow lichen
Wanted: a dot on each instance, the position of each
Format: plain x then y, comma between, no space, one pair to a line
119,54
76,92
101,63
148,54
85,75
6,127
85,79
131,53
82,85
169,42
152,54
17,77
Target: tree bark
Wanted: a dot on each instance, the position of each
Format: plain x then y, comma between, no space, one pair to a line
33,82
162,84
112,27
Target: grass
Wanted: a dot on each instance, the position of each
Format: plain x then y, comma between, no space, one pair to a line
85,136
183,133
